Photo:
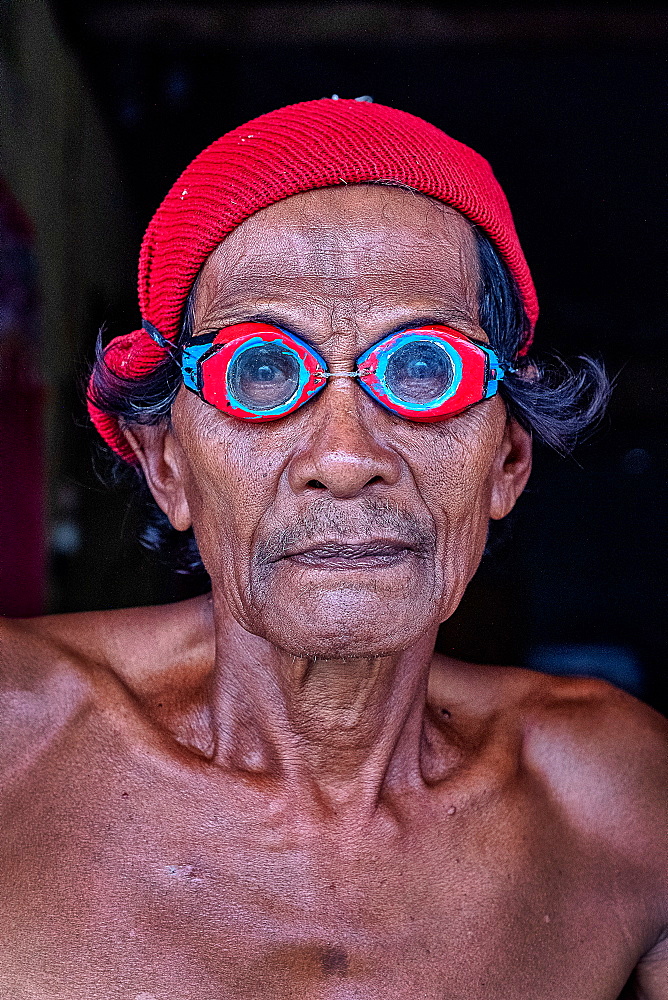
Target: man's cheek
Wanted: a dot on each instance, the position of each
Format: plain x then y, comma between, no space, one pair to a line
456,488
228,499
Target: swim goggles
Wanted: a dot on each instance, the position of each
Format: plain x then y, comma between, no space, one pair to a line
254,371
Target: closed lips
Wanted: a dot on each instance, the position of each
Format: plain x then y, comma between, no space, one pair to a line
351,552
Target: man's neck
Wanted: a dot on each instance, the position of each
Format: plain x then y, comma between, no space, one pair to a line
342,730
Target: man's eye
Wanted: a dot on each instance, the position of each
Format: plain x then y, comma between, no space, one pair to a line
262,378
419,372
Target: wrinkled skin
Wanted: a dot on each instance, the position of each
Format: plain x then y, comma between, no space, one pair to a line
342,467
278,791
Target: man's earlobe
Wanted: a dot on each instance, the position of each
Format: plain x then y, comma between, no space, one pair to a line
161,461
512,468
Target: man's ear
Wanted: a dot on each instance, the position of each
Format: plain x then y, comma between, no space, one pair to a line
512,467
163,464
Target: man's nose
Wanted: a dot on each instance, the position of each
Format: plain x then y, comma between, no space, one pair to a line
341,452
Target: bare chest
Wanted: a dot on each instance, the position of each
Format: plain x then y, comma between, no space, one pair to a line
122,879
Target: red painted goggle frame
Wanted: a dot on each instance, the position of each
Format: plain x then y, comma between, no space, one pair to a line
211,363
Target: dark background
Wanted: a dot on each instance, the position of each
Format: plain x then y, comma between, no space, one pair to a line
566,104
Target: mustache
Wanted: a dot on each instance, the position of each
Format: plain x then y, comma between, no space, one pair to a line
368,519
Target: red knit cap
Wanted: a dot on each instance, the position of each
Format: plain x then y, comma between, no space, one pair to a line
305,146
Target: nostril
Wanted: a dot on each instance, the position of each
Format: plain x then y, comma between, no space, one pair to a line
315,484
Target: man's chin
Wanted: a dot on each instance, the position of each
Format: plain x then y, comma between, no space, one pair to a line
344,623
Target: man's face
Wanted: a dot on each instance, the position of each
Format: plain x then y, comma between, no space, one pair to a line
341,529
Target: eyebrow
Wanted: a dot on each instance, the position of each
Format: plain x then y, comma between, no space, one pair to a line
444,316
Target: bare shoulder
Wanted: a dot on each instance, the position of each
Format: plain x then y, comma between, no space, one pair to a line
597,756
33,665
50,661
601,754
604,755
136,645
42,687
56,667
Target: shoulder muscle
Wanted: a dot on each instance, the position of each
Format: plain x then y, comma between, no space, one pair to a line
603,756
40,690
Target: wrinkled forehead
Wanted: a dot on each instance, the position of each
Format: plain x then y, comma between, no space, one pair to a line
360,244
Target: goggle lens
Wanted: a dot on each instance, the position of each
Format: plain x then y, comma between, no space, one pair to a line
263,377
419,372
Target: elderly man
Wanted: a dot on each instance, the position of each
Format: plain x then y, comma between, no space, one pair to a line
277,790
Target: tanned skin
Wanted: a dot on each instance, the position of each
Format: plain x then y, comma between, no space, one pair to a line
277,791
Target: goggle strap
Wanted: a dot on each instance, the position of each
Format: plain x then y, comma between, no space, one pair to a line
155,335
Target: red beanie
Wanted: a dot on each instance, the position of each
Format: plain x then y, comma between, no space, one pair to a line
305,146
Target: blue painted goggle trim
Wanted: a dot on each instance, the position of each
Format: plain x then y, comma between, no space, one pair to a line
190,359
384,360
493,365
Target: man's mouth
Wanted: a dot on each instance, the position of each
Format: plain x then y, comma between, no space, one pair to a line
374,554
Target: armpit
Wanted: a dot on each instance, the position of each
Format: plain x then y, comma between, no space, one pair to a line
649,980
